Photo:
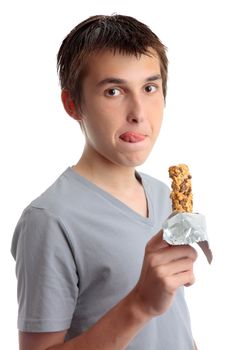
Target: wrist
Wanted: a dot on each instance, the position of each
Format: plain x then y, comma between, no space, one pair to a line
137,309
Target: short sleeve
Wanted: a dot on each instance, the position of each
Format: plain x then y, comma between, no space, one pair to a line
46,272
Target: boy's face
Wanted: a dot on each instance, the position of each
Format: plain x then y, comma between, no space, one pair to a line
122,107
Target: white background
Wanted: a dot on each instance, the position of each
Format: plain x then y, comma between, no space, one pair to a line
38,140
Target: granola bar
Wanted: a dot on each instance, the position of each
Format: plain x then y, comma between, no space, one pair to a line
181,194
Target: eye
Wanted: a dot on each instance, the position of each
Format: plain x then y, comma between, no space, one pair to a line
112,92
151,88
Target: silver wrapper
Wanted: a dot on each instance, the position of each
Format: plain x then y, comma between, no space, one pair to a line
187,228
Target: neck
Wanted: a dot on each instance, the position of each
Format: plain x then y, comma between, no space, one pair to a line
104,173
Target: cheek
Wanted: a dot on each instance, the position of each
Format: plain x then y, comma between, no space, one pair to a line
157,117
97,130
98,112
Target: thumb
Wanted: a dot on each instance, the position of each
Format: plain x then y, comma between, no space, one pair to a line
156,242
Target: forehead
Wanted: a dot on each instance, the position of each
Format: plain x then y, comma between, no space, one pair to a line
106,64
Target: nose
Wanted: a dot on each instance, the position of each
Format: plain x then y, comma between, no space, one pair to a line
135,110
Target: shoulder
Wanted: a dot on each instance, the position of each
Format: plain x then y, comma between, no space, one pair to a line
65,193
41,219
37,227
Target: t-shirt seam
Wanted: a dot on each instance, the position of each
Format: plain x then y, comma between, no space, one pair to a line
63,226
24,320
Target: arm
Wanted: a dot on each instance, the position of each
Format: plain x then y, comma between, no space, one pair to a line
114,331
40,341
165,268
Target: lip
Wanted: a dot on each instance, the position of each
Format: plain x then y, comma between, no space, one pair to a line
132,137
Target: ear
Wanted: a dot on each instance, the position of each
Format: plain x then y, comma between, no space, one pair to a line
69,105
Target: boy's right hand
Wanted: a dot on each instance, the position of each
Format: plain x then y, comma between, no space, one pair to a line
165,268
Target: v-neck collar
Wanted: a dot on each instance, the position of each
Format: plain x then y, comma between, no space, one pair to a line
124,208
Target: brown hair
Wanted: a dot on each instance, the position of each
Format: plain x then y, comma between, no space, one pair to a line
116,32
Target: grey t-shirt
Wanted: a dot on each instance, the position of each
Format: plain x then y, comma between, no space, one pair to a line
79,251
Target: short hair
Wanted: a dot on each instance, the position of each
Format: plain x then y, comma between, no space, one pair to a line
123,34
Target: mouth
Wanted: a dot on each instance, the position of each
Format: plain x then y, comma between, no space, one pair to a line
132,137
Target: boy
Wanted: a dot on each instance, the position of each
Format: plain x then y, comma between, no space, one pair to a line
92,272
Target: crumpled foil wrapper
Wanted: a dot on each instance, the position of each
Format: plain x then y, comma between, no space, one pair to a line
187,228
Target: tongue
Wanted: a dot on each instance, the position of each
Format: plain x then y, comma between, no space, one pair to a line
132,137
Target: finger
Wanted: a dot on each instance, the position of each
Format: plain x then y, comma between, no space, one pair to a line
156,242
188,284
171,254
176,252
175,267
186,278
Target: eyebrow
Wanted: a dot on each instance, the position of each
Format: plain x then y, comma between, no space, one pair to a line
112,80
